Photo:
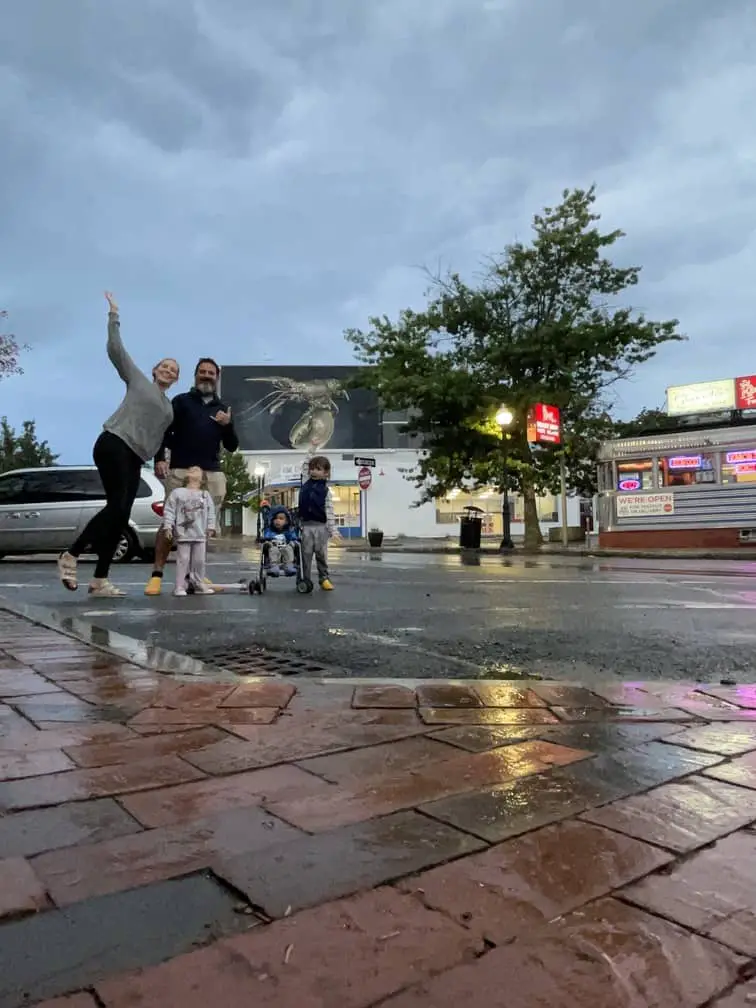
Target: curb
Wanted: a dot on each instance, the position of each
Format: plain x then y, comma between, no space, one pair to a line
545,553
117,645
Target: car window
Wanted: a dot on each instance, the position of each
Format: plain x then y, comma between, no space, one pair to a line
89,484
144,489
58,486
11,489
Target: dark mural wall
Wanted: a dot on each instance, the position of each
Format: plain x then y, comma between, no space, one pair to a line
306,408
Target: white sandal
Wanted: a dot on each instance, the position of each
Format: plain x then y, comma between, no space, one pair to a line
67,571
104,589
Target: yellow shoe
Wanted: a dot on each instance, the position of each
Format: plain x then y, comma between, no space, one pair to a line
154,586
326,585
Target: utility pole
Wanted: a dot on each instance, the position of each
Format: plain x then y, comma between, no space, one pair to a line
563,488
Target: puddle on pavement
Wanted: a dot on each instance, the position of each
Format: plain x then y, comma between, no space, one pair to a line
505,670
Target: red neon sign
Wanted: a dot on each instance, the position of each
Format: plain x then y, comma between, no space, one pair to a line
745,392
685,462
735,457
544,424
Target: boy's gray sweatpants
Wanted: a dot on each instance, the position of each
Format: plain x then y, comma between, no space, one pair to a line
315,541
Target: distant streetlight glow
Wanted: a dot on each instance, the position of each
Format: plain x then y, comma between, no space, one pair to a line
259,471
504,418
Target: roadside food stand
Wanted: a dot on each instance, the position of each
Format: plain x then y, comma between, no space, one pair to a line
692,486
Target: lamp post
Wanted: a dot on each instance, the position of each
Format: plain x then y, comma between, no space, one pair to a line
259,472
504,418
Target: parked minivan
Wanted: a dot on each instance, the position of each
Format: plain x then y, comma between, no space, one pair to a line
43,510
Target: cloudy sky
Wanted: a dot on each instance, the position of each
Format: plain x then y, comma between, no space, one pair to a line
252,178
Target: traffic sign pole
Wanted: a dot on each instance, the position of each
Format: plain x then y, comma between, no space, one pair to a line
364,479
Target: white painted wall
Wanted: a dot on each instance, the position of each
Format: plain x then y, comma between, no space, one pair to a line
390,498
387,502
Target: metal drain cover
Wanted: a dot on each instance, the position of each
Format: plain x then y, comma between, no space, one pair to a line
252,661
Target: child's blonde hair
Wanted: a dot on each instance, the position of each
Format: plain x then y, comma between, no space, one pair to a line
192,470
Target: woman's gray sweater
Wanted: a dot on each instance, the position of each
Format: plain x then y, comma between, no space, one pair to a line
145,413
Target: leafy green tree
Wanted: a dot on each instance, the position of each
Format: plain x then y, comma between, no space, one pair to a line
23,450
9,352
547,322
648,421
238,480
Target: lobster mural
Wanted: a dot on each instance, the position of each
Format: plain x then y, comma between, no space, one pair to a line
314,428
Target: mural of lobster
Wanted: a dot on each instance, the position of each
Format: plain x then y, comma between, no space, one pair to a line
314,428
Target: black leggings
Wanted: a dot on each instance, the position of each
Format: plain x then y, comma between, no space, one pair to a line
120,470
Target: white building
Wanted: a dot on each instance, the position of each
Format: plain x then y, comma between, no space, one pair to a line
388,503
285,414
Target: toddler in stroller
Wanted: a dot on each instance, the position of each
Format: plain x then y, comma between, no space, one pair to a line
280,543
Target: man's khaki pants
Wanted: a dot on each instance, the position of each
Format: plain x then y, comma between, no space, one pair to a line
213,482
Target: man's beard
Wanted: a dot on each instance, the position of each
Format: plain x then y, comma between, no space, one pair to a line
206,387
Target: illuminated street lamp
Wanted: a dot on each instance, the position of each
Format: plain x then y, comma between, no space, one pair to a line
504,418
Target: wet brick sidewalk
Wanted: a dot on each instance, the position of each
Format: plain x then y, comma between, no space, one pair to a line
177,843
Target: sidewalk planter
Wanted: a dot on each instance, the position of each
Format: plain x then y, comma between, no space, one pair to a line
375,538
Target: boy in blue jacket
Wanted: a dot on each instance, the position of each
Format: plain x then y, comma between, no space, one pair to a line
317,517
280,535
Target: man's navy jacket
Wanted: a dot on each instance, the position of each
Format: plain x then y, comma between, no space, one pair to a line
195,436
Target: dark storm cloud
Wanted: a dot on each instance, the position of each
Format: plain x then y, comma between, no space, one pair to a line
252,178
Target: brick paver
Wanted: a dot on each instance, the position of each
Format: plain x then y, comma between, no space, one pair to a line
178,842
713,892
744,996
37,830
607,955
725,739
20,889
680,816
75,873
740,771
347,954
514,887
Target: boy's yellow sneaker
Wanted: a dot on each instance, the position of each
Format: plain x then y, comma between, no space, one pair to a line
154,586
326,585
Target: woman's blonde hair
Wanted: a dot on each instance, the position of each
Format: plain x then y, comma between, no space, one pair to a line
162,361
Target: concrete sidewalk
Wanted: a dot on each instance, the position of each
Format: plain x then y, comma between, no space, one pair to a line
177,843
490,547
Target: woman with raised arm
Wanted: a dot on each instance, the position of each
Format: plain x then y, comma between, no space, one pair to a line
131,436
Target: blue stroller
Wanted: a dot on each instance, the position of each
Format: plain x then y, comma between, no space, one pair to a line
303,583
256,585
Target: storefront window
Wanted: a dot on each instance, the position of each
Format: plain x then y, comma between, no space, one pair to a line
687,469
635,474
450,509
739,466
346,509
548,509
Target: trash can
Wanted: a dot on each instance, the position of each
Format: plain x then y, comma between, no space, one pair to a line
470,527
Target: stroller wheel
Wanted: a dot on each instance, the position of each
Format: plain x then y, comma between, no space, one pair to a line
309,586
262,584
190,589
303,588
252,586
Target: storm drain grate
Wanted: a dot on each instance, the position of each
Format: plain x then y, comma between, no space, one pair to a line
250,661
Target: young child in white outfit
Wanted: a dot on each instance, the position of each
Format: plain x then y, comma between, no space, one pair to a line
188,519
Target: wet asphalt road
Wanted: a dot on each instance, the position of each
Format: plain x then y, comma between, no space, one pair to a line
420,616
